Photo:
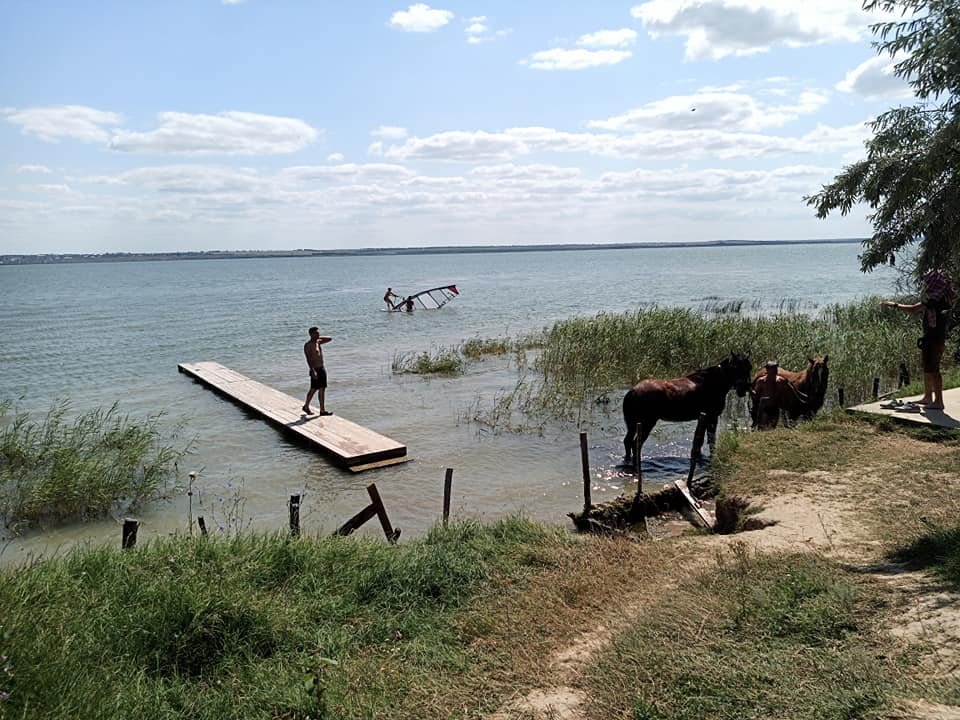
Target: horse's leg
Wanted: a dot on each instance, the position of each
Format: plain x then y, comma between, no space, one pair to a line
629,440
712,435
703,422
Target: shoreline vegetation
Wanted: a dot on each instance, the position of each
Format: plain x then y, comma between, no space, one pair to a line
578,360
51,258
486,620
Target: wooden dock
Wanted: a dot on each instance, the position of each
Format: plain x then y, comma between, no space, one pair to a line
351,445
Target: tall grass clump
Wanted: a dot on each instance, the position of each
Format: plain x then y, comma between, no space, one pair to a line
253,626
55,469
586,357
441,361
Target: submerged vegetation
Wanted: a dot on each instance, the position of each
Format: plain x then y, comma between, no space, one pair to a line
55,470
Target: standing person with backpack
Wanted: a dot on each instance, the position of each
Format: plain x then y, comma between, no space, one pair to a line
935,302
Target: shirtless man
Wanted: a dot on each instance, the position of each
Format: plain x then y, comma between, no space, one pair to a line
318,375
386,298
764,394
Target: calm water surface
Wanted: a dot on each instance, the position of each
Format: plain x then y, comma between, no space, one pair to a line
115,332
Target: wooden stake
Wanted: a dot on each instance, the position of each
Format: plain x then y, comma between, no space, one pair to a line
381,511
129,537
447,487
876,387
585,464
203,525
294,507
840,396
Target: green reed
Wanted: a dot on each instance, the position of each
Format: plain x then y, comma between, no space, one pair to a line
56,470
440,361
582,358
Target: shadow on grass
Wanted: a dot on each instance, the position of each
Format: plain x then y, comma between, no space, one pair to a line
937,550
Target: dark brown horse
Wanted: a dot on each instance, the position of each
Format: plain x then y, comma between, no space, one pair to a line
701,395
801,396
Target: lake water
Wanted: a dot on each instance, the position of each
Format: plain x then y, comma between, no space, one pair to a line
115,332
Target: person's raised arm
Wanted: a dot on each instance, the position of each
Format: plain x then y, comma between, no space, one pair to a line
913,308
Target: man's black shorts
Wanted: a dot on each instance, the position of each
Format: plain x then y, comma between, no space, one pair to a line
320,381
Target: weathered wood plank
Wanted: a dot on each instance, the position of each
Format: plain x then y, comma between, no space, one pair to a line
706,517
352,445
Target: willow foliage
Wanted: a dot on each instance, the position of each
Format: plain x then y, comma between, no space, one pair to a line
909,177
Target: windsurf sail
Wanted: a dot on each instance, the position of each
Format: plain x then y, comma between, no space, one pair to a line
432,299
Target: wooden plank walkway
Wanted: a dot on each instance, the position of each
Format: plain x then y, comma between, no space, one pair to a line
949,417
355,447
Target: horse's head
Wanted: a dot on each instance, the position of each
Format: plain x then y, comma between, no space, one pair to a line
738,370
817,374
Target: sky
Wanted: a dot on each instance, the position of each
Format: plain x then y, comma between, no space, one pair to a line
136,126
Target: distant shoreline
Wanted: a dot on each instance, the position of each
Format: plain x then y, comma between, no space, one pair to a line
52,258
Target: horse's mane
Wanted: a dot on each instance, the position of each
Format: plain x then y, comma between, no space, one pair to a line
703,373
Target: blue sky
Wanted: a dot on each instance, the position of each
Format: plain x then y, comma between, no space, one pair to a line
264,124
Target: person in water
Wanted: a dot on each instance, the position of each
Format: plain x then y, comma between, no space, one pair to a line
318,373
408,304
386,298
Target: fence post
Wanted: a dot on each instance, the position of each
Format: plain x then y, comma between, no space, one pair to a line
447,487
585,464
381,511
876,388
203,525
129,537
840,396
294,507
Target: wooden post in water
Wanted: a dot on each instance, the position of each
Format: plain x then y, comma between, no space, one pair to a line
876,388
636,466
447,488
294,507
585,464
377,504
203,525
129,537
840,396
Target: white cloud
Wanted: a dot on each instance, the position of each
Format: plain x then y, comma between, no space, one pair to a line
478,30
578,59
420,17
389,132
41,169
229,133
64,121
335,157
875,80
673,143
714,29
712,109
608,38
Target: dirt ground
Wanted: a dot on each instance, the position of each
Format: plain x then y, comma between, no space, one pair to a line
833,512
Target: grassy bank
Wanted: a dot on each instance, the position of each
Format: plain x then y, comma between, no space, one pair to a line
253,627
756,636
59,469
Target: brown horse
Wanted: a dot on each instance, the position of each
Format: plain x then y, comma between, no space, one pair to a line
801,396
701,395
